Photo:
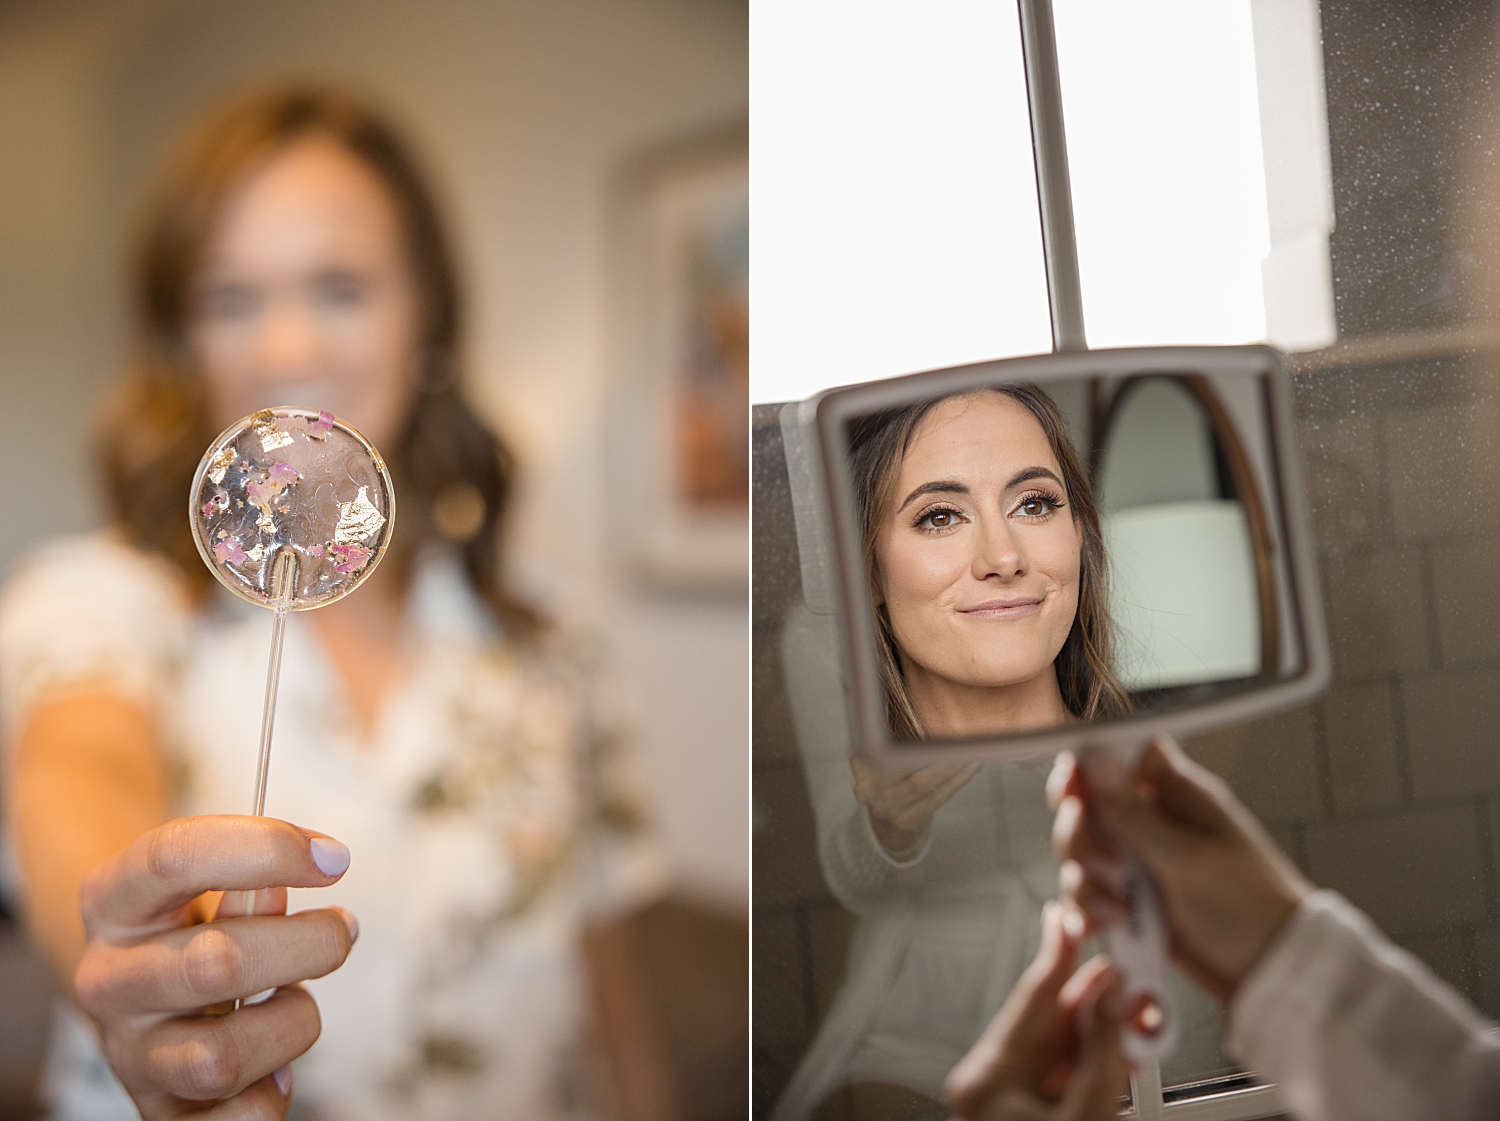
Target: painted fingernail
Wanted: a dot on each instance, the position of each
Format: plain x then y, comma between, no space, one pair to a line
284,1081
353,924
331,857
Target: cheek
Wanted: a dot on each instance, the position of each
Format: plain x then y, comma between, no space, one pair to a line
915,571
1057,552
375,340
225,352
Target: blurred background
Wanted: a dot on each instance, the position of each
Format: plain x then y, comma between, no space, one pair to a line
571,141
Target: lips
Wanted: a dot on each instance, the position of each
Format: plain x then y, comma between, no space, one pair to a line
1010,608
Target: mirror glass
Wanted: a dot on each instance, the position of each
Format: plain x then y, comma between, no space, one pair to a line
1018,556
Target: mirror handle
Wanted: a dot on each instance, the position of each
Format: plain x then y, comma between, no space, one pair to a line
1139,946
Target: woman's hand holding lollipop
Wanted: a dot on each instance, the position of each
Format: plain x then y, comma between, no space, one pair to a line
151,976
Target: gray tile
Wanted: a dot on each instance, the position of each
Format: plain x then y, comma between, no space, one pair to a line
1377,613
1444,953
1359,728
830,929
1341,465
1453,733
1492,824
1466,600
1271,764
1445,469
1289,839
1411,870
1487,969
781,1005
785,867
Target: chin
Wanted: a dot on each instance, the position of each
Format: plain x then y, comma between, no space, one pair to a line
1001,673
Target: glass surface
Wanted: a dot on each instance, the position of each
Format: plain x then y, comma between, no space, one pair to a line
1388,788
876,970
298,480
896,224
1169,191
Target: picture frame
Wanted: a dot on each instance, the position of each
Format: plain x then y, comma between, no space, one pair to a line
679,423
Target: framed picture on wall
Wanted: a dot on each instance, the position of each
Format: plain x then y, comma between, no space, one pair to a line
680,424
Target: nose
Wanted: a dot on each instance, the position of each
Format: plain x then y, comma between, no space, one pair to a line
288,346
998,553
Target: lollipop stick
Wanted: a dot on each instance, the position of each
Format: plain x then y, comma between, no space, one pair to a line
283,584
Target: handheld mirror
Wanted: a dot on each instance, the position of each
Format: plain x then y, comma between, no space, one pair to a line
1078,551
291,509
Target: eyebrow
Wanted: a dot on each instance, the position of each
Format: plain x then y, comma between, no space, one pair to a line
953,486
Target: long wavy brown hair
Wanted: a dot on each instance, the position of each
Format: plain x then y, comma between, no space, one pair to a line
877,445
156,424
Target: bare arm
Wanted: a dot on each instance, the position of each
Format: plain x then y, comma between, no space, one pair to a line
87,778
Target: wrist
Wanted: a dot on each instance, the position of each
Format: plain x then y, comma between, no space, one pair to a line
900,845
1282,904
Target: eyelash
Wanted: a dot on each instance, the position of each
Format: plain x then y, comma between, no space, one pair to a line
922,517
1052,501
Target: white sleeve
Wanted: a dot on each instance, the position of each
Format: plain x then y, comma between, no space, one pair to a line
1353,1028
89,611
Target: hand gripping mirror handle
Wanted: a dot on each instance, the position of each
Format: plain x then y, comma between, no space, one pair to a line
1138,946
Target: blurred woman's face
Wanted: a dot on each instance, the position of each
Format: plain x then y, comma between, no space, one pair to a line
306,296
978,553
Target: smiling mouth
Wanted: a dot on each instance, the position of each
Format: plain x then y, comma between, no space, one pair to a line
1003,609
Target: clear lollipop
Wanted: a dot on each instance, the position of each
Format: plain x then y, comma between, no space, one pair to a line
291,509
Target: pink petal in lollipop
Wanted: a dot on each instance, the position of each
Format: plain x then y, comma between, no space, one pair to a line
320,428
354,557
261,493
284,473
315,550
229,551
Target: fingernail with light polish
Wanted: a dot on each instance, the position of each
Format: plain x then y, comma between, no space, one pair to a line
284,1081
353,924
331,857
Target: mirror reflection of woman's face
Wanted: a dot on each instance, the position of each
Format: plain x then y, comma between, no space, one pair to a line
306,296
978,553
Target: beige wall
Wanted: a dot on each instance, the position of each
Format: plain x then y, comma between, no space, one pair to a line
527,110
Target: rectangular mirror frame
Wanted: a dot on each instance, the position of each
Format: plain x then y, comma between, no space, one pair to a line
825,418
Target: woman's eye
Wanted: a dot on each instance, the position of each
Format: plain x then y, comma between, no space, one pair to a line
339,291
1038,506
939,519
230,302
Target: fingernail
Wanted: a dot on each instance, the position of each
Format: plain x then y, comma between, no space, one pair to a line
283,1080
1073,924
1057,778
331,857
353,924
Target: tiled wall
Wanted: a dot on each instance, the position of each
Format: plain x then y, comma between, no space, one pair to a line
799,931
1388,788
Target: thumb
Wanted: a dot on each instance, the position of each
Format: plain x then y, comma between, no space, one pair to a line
1134,820
1004,1055
1101,1075
1184,790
